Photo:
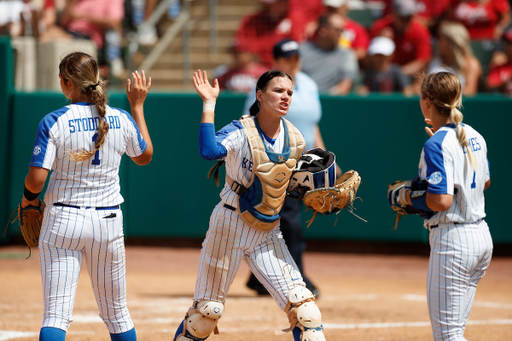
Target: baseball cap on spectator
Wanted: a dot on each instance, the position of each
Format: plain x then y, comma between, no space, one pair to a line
507,35
286,48
334,3
405,8
381,45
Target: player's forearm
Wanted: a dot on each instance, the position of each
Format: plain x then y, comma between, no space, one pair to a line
35,179
138,116
435,202
208,111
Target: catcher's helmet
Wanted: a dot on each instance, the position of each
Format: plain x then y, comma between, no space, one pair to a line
316,168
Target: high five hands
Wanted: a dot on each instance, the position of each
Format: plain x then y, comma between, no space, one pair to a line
203,87
138,92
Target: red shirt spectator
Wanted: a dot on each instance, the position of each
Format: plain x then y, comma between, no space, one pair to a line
426,9
354,36
310,10
500,79
261,31
241,80
412,44
482,19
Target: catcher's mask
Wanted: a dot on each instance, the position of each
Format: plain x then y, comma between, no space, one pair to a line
316,168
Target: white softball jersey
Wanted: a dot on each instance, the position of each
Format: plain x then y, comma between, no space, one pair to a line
445,165
230,240
460,240
82,221
94,182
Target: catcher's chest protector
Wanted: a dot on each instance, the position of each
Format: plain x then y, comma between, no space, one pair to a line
273,172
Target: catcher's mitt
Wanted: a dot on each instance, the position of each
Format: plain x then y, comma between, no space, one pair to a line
330,200
398,202
30,219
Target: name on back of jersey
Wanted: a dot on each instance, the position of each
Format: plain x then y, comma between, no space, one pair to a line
473,144
91,123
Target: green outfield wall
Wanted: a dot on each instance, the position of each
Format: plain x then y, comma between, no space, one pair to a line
379,136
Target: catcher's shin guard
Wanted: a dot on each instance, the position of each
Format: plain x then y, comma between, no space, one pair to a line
304,316
200,321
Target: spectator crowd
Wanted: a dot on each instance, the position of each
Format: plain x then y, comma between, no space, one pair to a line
410,39
406,39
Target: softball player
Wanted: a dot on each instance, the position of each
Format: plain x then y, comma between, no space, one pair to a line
260,151
454,162
83,143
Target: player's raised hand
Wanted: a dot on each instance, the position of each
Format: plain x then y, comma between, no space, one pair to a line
203,87
138,90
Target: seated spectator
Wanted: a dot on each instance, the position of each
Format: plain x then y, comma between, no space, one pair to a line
98,20
484,19
354,35
412,39
428,12
48,28
383,75
499,79
454,54
332,68
499,57
243,75
11,13
274,22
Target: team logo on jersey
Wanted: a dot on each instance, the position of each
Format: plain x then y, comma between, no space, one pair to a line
37,150
280,176
435,178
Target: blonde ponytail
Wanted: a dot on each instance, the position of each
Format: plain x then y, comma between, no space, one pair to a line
445,92
456,117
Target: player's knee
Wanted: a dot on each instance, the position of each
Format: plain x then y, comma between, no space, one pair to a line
303,313
200,321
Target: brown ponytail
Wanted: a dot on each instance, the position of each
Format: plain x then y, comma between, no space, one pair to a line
83,71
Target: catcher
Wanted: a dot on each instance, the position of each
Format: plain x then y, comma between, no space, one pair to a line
314,181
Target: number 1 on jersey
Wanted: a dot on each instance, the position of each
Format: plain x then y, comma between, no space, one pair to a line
473,184
96,160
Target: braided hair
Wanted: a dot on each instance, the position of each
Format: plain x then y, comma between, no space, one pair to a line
83,71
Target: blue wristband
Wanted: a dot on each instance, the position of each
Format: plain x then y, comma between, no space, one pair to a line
419,200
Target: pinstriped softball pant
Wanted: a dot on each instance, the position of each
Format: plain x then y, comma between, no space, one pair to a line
68,237
459,256
230,240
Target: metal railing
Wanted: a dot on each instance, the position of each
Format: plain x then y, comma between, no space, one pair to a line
180,24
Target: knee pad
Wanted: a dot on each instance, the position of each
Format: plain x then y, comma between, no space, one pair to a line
303,313
200,321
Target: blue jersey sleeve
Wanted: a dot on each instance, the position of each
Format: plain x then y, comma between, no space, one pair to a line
211,146
44,145
435,159
209,149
